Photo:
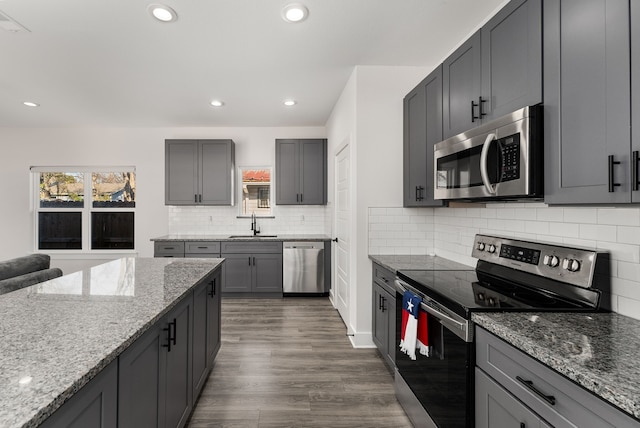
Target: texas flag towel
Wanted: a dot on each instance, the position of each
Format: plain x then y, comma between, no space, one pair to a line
423,334
409,330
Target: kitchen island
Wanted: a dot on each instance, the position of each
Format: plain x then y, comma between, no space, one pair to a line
60,334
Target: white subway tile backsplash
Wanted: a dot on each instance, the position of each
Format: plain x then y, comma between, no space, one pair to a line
450,232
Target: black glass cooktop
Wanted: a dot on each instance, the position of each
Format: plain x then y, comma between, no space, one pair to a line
466,291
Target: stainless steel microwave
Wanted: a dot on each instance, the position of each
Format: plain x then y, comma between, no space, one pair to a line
501,159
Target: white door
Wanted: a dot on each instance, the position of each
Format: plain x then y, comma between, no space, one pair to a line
342,220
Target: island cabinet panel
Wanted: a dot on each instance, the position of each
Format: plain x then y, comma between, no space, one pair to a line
587,120
95,405
206,330
140,377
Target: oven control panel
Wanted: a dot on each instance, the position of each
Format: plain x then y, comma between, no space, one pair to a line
575,266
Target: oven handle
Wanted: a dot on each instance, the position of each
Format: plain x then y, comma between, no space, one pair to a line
484,164
459,328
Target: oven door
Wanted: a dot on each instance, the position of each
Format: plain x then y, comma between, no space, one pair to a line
442,382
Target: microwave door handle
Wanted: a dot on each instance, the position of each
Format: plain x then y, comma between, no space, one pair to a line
484,164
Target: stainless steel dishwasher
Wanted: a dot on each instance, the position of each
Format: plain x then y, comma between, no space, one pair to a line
303,268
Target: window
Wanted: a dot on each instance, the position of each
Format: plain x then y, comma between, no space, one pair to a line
84,209
255,191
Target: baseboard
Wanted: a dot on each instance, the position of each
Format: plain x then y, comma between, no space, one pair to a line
361,340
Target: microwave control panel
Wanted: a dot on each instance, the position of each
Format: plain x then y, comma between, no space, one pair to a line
510,157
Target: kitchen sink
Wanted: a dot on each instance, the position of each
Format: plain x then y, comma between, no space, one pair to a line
253,236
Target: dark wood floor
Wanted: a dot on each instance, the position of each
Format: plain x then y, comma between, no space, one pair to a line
288,363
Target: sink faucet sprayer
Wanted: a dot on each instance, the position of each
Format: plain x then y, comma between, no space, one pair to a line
254,224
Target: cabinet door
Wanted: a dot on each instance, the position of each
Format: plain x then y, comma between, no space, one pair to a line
287,172
181,172
461,88
422,130
237,271
139,381
512,58
178,387
313,172
379,321
214,320
586,96
216,171
496,408
267,273
635,97
95,405
200,336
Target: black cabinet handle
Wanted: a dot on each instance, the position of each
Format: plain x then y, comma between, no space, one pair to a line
417,193
169,248
634,170
612,183
473,112
297,197
301,197
529,385
254,261
199,198
171,338
195,198
212,292
383,301
480,110
379,301
249,260
522,425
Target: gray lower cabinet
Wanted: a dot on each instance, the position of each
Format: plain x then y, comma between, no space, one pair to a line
496,71
422,129
168,249
95,405
496,408
252,267
206,330
199,172
512,388
587,82
301,171
384,313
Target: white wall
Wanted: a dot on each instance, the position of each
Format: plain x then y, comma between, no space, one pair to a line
374,129
141,147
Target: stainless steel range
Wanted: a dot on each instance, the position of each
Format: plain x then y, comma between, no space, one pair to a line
510,275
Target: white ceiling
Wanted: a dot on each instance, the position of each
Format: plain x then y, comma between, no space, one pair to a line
108,63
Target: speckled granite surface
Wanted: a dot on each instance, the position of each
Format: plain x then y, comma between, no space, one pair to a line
226,237
597,351
59,334
405,262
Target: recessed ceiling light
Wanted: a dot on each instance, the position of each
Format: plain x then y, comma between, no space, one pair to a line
295,12
217,103
162,12
31,104
289,103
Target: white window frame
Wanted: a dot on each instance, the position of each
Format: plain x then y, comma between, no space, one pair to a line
86,210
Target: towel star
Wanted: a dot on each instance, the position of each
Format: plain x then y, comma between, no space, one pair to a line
409,306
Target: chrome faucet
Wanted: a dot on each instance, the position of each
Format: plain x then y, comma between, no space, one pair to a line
254,224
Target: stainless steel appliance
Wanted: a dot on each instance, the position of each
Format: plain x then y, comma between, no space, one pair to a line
501,159
303,268
510,275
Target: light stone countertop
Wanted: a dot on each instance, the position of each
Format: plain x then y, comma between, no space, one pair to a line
598,351
396,263
248,237
57,335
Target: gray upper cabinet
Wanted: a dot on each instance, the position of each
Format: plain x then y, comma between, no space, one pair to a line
301,171
422,129
587,106
511,44
635,101
461,88
199,172
496,71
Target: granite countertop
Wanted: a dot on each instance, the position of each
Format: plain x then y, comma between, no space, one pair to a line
406,262
226,237
597,351
57,335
